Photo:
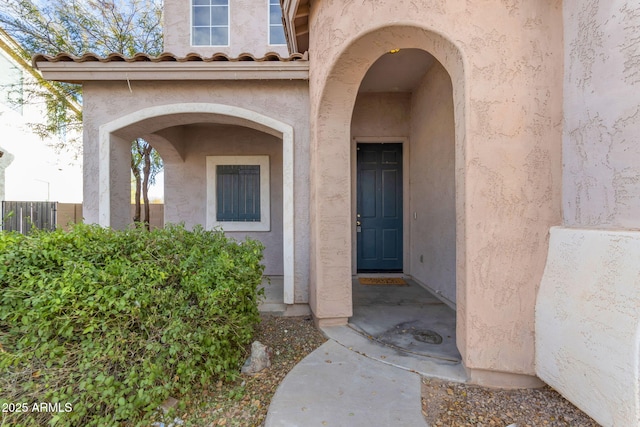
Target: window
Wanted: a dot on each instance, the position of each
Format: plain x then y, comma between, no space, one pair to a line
238,196
276,30
238,193
210,22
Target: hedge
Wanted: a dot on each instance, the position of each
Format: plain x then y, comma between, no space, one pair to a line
99,327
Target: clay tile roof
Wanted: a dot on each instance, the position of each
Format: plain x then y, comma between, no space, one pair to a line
115,57
189,57
166,57
220,57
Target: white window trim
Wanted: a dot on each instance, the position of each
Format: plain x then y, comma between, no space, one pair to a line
209,45
265,197
269,27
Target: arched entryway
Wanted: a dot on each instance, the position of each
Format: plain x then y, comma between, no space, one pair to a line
182,135
337,132
404,199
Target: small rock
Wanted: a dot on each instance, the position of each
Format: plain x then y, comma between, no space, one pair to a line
169,404
259,359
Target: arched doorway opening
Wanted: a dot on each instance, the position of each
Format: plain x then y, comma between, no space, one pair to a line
194,139
404,197
362,108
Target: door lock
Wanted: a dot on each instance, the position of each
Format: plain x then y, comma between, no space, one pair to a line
358,223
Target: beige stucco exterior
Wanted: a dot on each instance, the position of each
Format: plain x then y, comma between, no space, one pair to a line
249,20
601,186
185,139
489,165
505,66
587,317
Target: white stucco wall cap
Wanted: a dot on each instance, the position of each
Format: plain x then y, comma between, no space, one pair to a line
588,323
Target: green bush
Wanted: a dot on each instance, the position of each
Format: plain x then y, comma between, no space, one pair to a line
110,323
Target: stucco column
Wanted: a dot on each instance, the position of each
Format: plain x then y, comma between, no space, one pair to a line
330,294
115,187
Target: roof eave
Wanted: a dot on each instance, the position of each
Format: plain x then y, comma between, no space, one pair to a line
289,8
295,16
78,72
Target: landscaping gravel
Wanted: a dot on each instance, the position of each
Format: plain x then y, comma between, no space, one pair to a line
462,405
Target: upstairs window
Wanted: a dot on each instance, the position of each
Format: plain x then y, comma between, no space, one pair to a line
276,30
210,22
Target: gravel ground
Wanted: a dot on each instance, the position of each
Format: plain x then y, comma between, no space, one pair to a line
461,405
245,402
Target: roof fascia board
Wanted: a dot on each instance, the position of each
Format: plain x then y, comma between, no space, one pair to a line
289,11
98,71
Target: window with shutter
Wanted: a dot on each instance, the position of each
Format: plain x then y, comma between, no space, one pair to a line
238,194
238,188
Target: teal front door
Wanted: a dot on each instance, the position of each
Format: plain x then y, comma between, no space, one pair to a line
379,210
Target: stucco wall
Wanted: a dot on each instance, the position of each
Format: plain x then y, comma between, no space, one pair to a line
505,62
71,213
587,316
433,193
381,115
587,322
249,27
286,101
601,149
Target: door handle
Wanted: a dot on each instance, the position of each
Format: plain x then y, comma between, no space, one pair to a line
358,223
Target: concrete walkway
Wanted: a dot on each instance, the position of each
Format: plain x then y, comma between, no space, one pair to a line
368,373
351,381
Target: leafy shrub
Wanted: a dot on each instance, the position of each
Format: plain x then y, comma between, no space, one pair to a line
113,322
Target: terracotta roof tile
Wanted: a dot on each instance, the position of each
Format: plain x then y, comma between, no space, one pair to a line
166,57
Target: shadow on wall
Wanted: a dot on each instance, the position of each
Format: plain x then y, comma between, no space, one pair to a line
69,213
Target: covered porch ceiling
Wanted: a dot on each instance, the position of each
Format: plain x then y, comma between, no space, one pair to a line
401,71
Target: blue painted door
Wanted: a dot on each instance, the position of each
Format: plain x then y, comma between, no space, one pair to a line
379,211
